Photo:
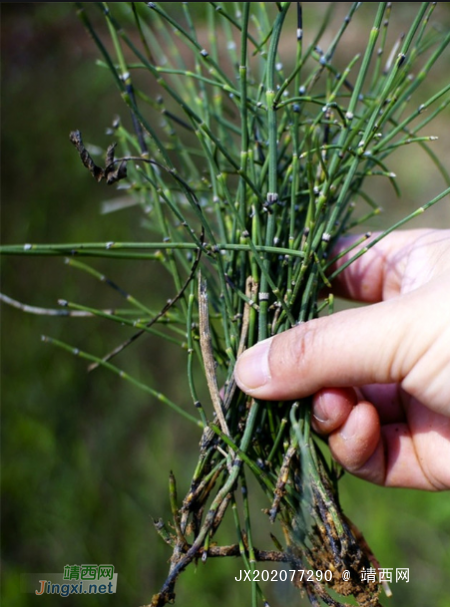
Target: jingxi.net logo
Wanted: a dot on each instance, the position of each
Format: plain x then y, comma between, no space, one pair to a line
76,579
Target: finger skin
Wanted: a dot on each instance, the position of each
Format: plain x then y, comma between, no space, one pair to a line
356,444
404,340
394,429
330,409
392,462
321,353
399,454
399,263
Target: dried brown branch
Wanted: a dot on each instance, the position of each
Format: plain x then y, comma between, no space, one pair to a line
111,173
207,354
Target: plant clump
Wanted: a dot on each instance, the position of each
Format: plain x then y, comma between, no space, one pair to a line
248,166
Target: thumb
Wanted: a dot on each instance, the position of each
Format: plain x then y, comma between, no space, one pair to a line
375,344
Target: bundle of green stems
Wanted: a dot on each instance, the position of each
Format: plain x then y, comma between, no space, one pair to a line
258,165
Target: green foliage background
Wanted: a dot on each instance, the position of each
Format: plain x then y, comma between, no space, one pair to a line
85,458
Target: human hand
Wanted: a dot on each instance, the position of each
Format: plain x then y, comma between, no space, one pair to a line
380,374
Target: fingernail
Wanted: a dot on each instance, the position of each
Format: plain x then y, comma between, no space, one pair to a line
319,410
252,368
351,427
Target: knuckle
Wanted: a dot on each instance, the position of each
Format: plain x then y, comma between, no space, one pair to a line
302,348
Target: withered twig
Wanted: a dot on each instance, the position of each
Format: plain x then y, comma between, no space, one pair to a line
281,482
198,495
160,314
164,533
221,512
174,507
207,354
110,173
193,551
262,556
362,541
251,291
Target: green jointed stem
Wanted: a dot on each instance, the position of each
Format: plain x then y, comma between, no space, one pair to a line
380,53
124,321
367,58
394,227
192,42
248,532
125,76
370,131
86,22
278,439
261,476
272,194
120,373
190,344
241,27
107,249
242,549
378,147
102,278
141,33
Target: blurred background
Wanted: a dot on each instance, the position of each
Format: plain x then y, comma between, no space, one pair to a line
86,458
